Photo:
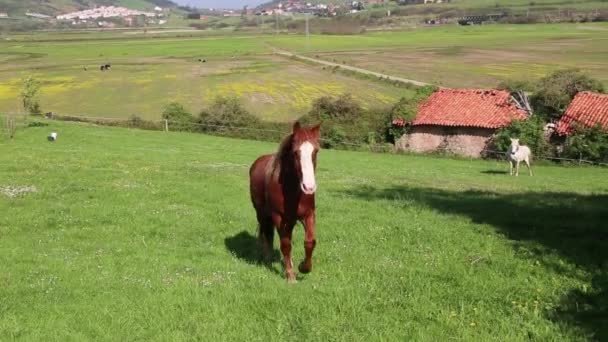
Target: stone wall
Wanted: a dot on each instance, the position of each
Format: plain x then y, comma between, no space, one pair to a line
465,141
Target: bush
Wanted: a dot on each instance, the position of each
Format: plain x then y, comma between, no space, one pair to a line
334,138
29,96
529,132
227,117
345,122
514,85
404,112
179,118
135,121
588,144
341,108
555,92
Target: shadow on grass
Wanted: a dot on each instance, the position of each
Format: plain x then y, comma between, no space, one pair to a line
246,247
495,172
572,225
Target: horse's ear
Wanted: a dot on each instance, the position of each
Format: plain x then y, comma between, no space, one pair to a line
296,126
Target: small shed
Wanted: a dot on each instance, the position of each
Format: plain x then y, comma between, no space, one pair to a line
587,109
460,121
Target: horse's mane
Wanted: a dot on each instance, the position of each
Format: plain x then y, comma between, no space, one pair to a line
283,151
279,156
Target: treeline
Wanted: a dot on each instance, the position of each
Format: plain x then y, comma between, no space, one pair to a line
349,125
346,123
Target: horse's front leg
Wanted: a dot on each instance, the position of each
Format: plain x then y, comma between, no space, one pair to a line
309,243
285,232
517,168
511,167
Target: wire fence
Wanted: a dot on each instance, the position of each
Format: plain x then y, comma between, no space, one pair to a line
228,130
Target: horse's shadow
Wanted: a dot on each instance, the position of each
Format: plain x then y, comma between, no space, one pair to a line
495,172
246,247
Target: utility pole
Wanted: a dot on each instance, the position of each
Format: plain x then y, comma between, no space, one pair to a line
307,33
276,15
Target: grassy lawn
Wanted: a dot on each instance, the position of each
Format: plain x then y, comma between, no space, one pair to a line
128,234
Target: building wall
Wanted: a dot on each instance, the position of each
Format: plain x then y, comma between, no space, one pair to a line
465,141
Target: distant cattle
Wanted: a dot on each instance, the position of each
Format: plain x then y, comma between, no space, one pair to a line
105,67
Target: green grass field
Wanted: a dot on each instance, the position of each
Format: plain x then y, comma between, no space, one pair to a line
480,56
125,234
150,72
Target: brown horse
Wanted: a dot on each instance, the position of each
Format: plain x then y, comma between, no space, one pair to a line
283,189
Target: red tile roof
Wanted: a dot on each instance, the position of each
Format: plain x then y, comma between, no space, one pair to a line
468,108
587,109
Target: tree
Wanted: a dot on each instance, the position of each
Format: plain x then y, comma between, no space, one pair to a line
29,95
590,143
226,112
555,92
179,118
530,132
404,112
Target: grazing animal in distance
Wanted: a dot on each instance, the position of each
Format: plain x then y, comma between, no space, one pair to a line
518,153
282,188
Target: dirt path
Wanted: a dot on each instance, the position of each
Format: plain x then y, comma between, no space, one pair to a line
348,67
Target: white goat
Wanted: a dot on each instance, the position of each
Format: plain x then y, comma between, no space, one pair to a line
517,153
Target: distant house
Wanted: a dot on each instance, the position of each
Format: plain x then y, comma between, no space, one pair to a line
3,15
415,2
37,15
460,121
587,109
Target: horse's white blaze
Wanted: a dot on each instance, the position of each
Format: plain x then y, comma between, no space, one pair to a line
308,171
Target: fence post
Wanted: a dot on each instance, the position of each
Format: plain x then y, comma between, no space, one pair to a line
11,126
166,125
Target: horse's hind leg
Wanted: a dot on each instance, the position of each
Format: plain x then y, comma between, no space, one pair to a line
527,161
265,235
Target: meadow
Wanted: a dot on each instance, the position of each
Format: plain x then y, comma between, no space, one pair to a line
472,57
149,73
115,234
151,70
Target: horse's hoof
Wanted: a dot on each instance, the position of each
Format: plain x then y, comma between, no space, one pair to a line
303,269
291,279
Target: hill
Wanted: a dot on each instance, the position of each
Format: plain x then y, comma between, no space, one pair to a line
54,7
471,5
116,234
